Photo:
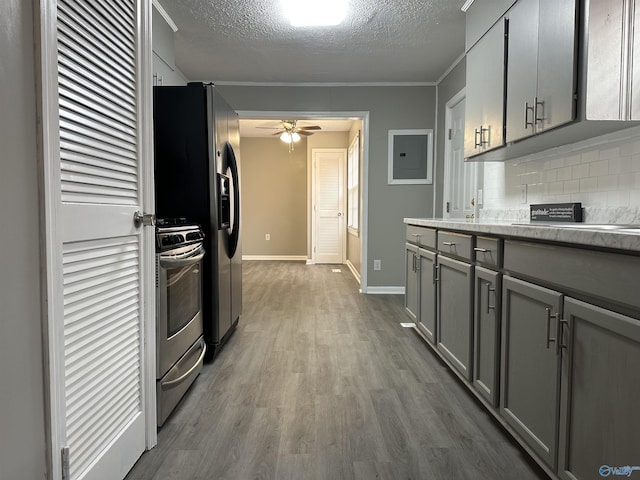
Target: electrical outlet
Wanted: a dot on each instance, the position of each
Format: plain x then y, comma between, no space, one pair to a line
480,196
523,193
377,265
267,236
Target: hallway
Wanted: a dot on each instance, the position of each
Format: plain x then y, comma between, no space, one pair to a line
321,382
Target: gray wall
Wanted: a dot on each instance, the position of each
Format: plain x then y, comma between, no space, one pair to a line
22,431
447,88
390,108
274,197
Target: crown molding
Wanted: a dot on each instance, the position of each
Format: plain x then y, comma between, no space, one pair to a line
165,15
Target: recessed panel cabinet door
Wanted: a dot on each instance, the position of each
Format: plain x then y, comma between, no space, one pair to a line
600,391
486,334
557,64
530,376
411,282
427,316
455,313
484,117
522,69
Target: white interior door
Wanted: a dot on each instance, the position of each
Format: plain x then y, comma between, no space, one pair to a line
460,177
329,232
97,163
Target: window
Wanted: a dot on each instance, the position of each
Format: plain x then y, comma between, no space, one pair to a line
353,186
410,156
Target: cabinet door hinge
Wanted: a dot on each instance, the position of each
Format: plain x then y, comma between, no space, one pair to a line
448,207
64,454
449,134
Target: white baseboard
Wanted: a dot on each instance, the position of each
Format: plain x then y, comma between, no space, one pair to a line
310,261
385,290
354,271
295,258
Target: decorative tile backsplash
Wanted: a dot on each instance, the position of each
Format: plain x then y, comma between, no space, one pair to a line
602,173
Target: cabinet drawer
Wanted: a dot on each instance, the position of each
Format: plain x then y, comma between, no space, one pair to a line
488,251
455,244
423,236
609,277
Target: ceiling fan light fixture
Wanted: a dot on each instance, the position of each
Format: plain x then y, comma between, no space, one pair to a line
286,137
290,137
315,13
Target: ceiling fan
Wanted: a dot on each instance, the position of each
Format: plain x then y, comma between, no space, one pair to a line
289,131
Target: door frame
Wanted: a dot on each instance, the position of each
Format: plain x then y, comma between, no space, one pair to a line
343,206
453,101
364,138
45,33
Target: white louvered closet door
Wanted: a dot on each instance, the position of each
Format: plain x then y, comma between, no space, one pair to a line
329,205
97,181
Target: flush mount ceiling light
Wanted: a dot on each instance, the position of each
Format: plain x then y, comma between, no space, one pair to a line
315,13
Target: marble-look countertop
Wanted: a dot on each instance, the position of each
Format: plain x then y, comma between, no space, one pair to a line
608,236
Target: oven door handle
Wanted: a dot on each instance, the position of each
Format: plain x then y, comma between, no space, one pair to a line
174,383
166,262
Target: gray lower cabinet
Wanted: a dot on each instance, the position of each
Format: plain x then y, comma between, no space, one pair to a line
455,315
600,418
530,374
411,281
427,296
486,334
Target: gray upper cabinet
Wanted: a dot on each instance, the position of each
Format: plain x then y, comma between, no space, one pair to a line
600,391
484,113
541,83
613,65
530,375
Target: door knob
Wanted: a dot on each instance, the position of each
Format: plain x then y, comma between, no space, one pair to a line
144,219
339,214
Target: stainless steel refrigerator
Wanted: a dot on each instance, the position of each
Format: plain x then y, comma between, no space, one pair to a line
197,176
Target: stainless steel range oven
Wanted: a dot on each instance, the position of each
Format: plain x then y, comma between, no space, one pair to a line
179,328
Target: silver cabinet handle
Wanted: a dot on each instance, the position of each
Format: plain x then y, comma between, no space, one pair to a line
556,316
449,244
435,273
436,276
489,290
528,108
417,235
559,334
477,133
481,250
535,112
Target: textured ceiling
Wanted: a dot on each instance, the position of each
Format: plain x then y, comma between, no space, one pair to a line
381,41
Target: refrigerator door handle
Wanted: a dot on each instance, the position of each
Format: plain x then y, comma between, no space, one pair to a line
234,236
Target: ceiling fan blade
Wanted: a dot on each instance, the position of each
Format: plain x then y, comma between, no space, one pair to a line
306,134
278,133
310,127
271,128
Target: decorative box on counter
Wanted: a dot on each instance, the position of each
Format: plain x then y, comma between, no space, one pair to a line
556,212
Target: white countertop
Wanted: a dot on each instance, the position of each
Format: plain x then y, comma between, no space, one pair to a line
607,236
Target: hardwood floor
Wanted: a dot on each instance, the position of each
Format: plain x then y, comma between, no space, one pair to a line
321,382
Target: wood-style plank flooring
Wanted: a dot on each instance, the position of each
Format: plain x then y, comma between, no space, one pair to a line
321,382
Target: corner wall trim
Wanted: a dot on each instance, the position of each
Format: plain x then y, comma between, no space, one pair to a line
281,258
353,270
390,290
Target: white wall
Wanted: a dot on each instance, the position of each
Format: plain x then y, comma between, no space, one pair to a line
602,173
22,433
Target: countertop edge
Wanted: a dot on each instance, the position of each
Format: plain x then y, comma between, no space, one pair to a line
616,239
